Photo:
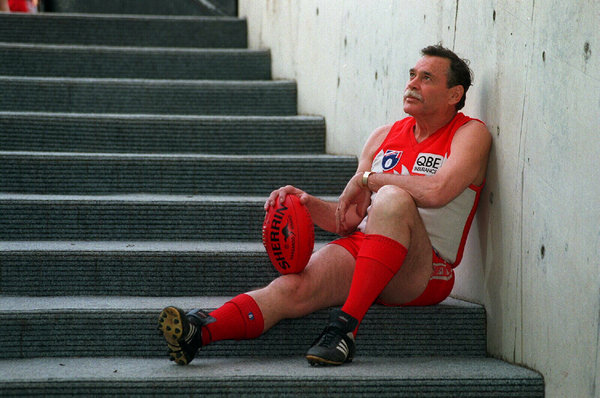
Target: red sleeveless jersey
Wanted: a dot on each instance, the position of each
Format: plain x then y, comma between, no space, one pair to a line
400,153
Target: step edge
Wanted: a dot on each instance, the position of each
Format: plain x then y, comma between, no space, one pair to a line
141,198
45,304
171,156
153,117
149,247
122,17
130,49
367,368
151,82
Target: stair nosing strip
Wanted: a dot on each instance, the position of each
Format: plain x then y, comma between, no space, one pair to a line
129,49
155,247
144,303
139,198
156,82
128,17
152,116
172,156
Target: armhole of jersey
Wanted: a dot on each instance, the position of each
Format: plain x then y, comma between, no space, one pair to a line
467,228
467,119
477,189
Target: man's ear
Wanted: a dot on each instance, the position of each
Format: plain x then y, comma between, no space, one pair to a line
455,94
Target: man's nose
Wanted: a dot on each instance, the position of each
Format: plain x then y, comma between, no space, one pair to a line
412,84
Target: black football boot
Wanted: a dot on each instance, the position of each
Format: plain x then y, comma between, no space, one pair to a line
182,332
335,346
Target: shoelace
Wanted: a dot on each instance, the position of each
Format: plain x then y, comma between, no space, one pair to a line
329,336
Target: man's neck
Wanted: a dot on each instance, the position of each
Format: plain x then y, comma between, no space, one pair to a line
427,125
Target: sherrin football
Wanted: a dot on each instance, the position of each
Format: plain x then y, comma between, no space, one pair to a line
288,235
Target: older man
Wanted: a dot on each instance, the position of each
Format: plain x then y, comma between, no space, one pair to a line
404,217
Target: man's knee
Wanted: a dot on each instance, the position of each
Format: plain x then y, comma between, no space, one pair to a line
293,290
393,201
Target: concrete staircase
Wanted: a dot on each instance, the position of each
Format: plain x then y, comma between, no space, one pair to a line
135,155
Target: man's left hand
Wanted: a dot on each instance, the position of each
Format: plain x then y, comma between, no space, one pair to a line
354,199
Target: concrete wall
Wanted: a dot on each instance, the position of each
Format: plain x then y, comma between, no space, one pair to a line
533,254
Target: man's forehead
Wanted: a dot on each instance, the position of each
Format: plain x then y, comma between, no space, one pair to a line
432,65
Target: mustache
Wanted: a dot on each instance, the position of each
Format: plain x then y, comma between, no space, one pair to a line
413,94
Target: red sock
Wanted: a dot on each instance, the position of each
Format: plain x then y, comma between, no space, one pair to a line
237,319
378,260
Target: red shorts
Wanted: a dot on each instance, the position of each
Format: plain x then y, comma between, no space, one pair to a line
21,6
440,284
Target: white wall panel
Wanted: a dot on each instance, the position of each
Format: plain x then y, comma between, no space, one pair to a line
537,86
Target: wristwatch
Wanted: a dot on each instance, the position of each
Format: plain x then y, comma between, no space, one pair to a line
365,178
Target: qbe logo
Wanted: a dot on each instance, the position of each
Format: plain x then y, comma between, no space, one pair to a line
428,163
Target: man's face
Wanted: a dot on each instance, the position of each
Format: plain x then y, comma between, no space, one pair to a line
426,91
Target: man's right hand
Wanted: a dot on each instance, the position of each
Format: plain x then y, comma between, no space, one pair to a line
281,193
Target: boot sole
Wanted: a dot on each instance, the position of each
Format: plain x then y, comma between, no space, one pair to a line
317,361
170,323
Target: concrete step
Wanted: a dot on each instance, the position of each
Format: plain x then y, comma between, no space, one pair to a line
45,60
124,30
144,7
128,268
127,326
134,217
179,97
241,135
186,174
398,377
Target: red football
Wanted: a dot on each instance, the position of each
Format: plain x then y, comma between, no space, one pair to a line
288,234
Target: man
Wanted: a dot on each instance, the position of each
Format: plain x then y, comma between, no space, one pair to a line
404,216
